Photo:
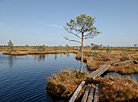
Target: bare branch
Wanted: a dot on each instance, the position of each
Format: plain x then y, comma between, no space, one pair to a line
71,40
88,37
71,32
92,34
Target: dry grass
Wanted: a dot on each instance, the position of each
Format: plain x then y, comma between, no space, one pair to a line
65,82
117,88
128,68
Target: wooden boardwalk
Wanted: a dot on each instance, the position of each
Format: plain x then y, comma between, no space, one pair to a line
99,71
72,99
122,62
91,93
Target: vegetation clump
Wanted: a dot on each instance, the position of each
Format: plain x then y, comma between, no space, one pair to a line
125,68
65,82
118,88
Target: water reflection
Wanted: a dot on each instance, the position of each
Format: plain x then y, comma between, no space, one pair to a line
68,55
55,56
39,57
61,55
10,61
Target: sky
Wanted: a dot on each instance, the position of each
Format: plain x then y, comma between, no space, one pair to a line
38,22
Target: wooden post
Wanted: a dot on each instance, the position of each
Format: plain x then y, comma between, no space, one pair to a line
84,99
72,99
90,97
96,97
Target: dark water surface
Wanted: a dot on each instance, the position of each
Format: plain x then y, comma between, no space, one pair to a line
22,78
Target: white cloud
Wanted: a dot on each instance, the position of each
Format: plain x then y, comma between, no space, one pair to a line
53,25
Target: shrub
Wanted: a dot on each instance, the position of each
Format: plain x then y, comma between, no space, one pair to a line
14,50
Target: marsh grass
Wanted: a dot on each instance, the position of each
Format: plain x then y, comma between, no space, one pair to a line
126,68
117,88
65,82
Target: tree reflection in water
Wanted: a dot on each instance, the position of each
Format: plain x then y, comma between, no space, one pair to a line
40,57
68,55
10,61
55,56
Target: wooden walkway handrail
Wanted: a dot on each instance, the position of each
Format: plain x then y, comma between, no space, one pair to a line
72,99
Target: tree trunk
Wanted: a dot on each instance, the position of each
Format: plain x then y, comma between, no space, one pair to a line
81,54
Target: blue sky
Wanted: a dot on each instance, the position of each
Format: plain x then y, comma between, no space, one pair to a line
41,22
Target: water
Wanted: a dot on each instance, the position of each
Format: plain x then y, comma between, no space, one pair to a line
22,78
135,76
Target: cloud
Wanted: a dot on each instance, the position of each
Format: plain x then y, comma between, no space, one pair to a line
53,25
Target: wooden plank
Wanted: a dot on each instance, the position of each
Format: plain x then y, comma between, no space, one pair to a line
90,97
84,99
123,62
96,97
96,71
72,99
101,72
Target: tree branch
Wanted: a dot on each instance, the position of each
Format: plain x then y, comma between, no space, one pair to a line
71,40
71,32
90,35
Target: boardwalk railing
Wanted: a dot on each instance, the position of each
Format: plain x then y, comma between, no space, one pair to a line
99,71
